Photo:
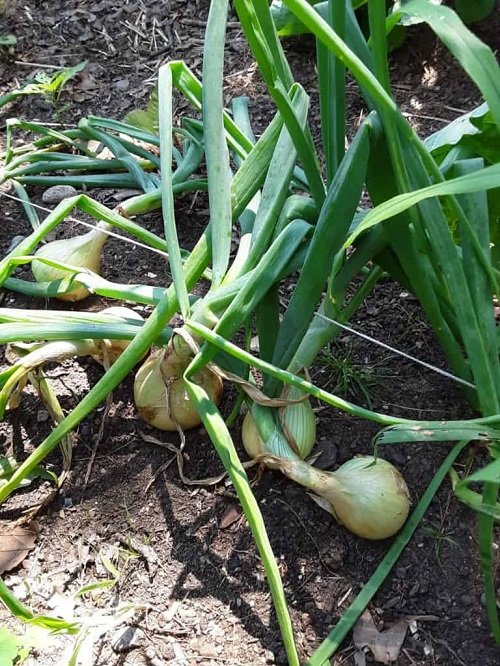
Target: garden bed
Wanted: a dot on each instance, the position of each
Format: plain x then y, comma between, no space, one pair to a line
191,561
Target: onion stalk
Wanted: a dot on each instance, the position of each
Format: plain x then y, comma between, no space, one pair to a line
367,495
35,355
297,421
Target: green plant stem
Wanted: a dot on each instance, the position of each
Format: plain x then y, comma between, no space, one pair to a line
486,538
221,438
378,39
94,283
167,195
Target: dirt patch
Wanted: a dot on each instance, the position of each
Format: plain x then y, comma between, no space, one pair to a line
185,554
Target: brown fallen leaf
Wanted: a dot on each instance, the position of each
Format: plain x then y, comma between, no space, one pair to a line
384,645
230,516
86,82
15,543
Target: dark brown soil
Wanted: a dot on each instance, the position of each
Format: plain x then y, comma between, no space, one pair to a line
197,574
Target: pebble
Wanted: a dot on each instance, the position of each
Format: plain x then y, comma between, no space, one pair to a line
58,193
42,416
127,639
15,242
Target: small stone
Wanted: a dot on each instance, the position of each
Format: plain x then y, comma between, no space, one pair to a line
58,193
42,416
127,639
15,242
122,84
269,657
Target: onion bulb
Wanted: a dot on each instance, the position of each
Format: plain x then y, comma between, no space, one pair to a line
367,495
111,349
298,423
161,395
83,251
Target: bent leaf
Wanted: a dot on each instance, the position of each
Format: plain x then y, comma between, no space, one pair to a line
436,432
486,179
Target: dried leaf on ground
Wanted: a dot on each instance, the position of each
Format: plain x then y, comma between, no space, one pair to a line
384,645
230,516
15,544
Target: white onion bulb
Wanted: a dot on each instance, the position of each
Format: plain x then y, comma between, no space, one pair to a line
161,395
83,251
367,495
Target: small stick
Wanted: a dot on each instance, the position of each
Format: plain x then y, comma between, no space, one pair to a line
35,64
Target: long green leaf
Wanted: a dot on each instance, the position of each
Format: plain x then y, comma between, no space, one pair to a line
221,439
332,92
277,183
332,227
187,83
486,179
287,377
475,206
216,151
167,195
255,32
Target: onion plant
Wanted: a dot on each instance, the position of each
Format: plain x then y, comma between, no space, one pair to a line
429,228
440,249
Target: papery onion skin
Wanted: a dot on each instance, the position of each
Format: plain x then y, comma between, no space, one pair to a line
83,251
373,501
114,348
299,423
162,398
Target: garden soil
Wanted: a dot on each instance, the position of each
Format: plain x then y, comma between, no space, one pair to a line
184,554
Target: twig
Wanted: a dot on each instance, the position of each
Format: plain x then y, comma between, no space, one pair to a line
35,64
97,440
